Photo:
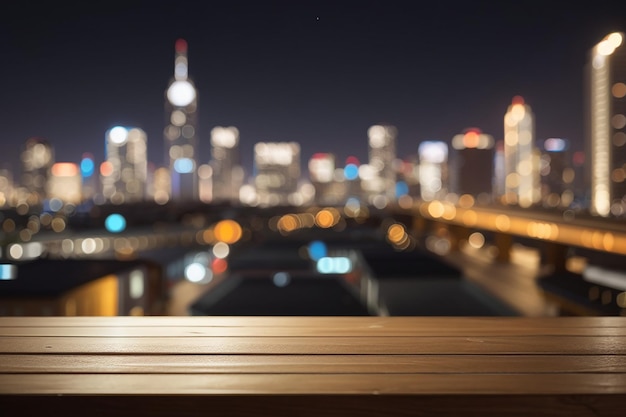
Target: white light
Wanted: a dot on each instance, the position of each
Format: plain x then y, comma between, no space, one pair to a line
118,135
221,250
16,251
377,135
195,272
136,284
554,145
225,137
181,93
88,246
334,265
435,152
614,39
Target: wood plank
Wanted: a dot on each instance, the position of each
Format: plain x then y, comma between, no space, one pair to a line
313,384
316,405
564,345
350,322
285,364
306,331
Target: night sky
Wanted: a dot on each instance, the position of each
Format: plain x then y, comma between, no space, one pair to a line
319,73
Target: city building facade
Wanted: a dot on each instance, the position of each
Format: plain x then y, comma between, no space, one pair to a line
125,171
472,165
521,159
606,143
181,105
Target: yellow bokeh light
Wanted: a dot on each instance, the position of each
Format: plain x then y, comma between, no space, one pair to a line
503,222
227,231
466,201
326,218
436,209
470,218
288,223
396,233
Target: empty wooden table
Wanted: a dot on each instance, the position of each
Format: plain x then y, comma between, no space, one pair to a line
337,366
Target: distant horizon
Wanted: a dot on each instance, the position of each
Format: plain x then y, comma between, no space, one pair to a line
315,73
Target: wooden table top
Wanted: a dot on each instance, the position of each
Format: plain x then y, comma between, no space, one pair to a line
560,363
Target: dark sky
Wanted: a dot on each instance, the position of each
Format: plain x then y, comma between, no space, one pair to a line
316,72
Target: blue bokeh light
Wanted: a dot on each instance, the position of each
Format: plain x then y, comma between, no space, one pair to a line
87,167
317,250
115,223
401,189
351,172
183,165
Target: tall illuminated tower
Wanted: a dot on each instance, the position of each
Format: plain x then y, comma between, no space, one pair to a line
37,160
521,159
606,142
433,169
181,101
127,164
227,171
382,153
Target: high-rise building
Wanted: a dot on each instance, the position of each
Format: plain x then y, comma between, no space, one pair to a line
37,160
6,188
472,165
606,143
227,172
181,102
557,174
382,154
126,172
433,169
277,166
521,159
65,183
322,176
89,179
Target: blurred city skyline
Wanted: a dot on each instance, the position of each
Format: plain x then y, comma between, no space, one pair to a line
319,74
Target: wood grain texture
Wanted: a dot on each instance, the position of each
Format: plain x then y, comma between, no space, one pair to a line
312,383
323,364
335,366
566,345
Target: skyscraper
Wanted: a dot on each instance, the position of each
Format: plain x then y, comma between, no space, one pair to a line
321,174
126,158
606,142
227,173
382,153
181,99
521,159
557,174
277,167
37,160
472,165
433,169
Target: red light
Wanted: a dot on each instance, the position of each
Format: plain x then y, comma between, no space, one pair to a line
106,169
181,46
578,158
320,155
518,100
352,160
219,265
